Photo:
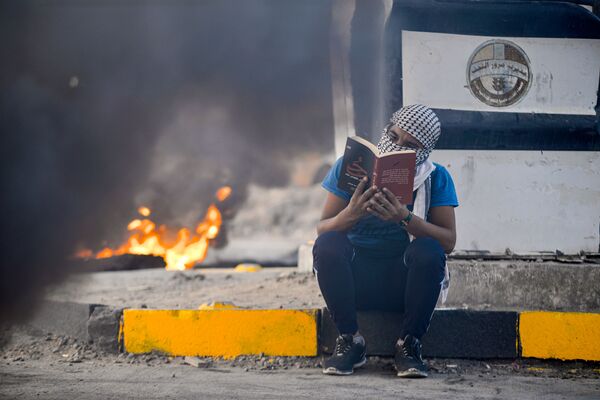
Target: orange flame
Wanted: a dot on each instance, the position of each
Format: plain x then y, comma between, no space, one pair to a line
223,193
144,211
181,250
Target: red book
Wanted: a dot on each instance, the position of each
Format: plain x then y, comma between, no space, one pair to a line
394,170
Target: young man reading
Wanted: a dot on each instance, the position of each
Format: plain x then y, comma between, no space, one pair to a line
364,258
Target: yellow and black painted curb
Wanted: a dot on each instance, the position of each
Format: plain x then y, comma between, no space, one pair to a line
561,335
221,332
308,332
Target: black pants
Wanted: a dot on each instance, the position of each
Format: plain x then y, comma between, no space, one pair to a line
352,278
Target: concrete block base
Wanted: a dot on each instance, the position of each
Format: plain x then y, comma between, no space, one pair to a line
472,334
103,328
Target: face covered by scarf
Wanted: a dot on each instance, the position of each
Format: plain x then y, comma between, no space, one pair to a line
421,123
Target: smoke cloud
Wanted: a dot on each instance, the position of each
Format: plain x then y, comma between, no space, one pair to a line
107,105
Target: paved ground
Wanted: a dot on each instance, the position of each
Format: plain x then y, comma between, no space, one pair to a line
39,365
94,380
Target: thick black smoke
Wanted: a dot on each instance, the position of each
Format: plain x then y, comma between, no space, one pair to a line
104,105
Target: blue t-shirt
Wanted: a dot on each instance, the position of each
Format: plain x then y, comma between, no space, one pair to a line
373,233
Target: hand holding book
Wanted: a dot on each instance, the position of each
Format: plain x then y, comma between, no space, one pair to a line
359,202
386,206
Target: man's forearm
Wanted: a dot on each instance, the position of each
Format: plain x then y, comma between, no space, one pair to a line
418,227
341,222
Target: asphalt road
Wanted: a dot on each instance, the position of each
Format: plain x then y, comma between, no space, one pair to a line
44,379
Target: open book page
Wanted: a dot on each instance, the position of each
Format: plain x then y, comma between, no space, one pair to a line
397,173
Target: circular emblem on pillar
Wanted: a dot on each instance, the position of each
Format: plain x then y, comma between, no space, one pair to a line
499,73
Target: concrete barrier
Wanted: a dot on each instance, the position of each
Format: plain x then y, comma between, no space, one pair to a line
455,333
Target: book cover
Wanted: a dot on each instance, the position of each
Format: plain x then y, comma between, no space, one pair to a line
394,170
359,161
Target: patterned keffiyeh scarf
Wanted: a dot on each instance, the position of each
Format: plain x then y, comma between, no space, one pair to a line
422,124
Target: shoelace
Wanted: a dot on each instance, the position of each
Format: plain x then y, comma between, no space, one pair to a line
405,351
342,346
410,351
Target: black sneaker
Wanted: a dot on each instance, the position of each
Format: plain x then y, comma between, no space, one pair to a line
348,354
408,361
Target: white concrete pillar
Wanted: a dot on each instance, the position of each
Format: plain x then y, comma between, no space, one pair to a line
341,88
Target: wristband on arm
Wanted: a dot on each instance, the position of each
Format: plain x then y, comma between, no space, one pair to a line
404,221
